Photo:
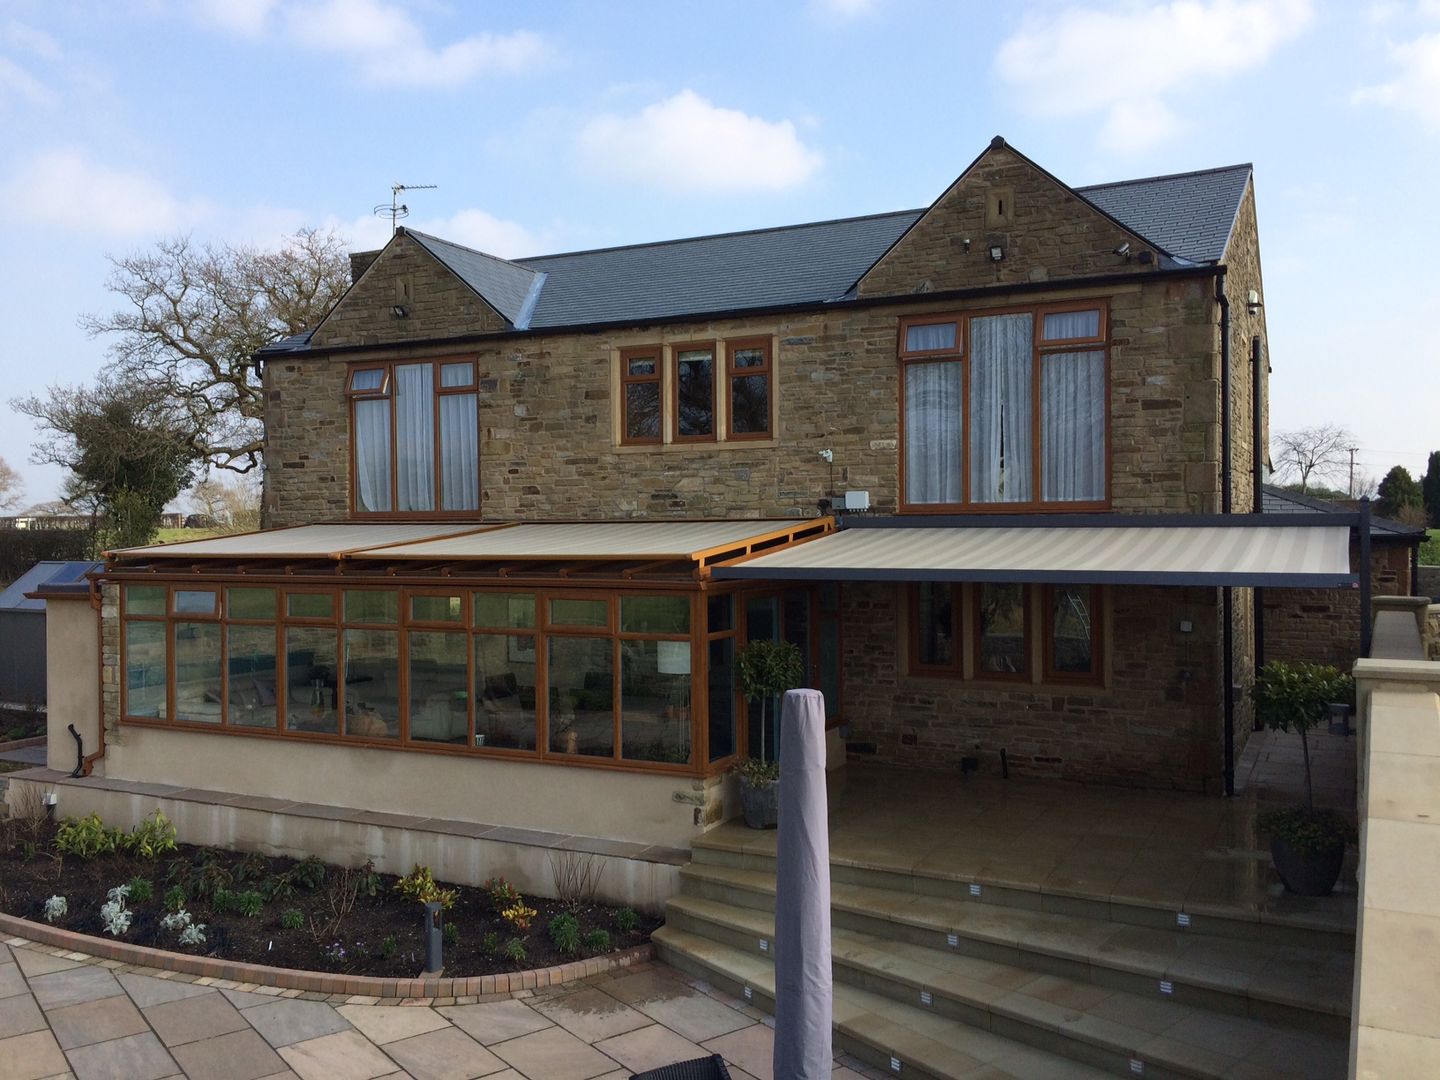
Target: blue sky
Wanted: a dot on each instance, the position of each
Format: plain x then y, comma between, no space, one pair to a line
563,125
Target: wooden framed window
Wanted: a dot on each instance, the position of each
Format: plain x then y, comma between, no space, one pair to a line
1005,410
641,422
414,437
1073,637
695,392
1001,629
748,376
935,628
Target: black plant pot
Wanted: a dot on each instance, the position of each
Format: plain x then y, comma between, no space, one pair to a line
760,805
1308,873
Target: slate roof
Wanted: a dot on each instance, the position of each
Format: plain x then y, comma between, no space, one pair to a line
1279,501
1189,215
46,573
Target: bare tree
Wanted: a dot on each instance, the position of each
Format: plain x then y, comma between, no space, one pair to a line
232,504
11,489
1319,452
194,317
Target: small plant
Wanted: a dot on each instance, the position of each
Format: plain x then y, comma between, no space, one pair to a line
154,836
292,919
248,903
114,914
490,943
223,901
310,873
174,899
419,885
194,934
176,920
502,894
253,867
86,837
369,879
279,886
565,933
627,921
576,875
335,952
55,908
141,890
518,916
451,934
203,878
598,941
758,773
389,945
514,951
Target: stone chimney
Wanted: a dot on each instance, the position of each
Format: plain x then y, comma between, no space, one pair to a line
360,262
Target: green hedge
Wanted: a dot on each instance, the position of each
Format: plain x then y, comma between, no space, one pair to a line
21,549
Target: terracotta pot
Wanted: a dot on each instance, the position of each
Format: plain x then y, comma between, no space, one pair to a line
1307,873
761,806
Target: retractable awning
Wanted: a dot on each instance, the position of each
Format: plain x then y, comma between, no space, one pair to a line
1240,551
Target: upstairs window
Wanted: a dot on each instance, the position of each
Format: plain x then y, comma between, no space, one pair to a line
1005,410
747,374
640,395
415,446
697,392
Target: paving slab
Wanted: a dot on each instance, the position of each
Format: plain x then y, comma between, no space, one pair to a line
291,1020
649,1048
31,1056
751,1048
72,986
147,990
444,1054
341,1054
19,1015
495,1021
241,1055
33,962
383,1024
200,1016
135,1057
592,1015
553,1054
95,1021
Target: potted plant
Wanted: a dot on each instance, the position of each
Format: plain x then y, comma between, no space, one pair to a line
767,668
1308,845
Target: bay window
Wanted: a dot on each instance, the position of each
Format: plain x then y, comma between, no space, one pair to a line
1005,410
414,437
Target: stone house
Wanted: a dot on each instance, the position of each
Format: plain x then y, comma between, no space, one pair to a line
990,464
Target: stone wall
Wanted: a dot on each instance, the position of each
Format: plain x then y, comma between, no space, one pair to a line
549,417
1323,625
1242,261
1155,723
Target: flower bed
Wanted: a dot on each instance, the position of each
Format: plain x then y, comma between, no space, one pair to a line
309,915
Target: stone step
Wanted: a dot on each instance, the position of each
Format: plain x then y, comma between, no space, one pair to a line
1112,1030
1304,987
888,1034
1300,923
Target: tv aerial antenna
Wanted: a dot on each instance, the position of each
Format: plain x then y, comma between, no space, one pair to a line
396,209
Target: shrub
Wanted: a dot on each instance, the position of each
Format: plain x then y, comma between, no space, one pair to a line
369,879
292,919
174,898
203,878
502,894
248,903
452,934
154,836
194,934
627,920
518,916
598,941
279,887
141,890
490,943
176,920
253,867
55,908
113,913
310,873
514,951
86,837
419,885
388,946
191,933
565,933
576,875
1308,832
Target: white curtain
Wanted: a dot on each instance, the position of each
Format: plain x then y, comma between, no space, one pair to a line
415,437
928,338
1001,349
1068,325
1072,387
459,453
372,454
934,413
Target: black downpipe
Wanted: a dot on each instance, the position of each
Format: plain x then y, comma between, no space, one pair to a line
1364,569
1257,436
79,752
1227,631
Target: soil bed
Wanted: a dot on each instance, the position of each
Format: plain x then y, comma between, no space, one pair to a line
381,935
21,723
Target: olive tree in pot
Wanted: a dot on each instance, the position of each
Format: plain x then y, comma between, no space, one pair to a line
767,669
1308,845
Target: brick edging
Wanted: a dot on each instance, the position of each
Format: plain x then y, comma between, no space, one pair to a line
322,982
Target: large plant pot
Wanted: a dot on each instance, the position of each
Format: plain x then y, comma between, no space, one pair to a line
760,805
1307,873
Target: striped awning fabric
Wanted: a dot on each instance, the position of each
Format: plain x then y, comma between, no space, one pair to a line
1170,554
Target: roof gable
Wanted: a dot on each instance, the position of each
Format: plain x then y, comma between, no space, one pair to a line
511,289
407,294
1191,214
1042,229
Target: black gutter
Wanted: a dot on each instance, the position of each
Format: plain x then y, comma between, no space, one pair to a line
1365,576
1227,631
1257,502
1018,288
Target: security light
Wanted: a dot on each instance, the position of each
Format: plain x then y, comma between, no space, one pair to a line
996,253
399,311
1123,249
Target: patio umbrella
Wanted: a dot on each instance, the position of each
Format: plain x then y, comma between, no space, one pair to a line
803,982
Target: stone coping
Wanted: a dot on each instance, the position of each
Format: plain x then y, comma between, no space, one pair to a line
23,744
243,976
509,834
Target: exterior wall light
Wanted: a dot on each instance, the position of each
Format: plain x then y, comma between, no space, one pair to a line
400,311
996,253
1252,303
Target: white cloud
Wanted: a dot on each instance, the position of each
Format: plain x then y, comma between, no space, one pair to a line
16,35
382,38
844,9
1415,86
67,189
1125,61
16,81
685,142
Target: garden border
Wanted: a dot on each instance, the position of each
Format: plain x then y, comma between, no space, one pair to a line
24,744
318,981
